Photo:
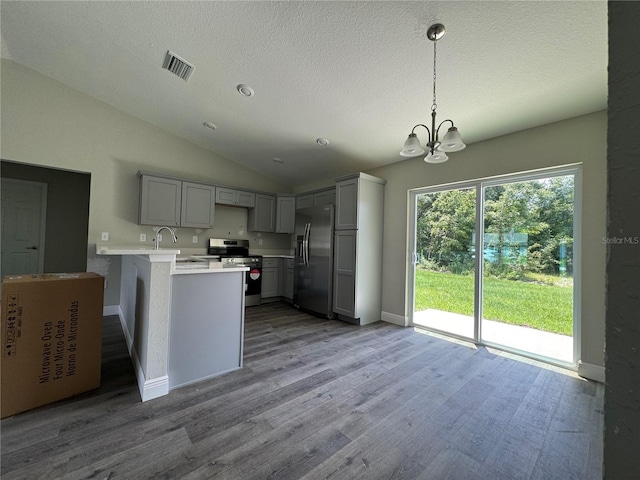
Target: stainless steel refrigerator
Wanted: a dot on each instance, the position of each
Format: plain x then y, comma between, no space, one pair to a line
313,267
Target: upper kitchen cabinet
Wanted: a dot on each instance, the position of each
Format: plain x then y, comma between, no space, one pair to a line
314,199
304,201
198,205
286,214
169,201
358,197
160,201
262,218
325,197
238,198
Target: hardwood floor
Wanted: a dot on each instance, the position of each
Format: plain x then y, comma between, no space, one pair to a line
322,399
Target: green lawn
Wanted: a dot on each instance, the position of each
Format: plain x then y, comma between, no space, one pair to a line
544,307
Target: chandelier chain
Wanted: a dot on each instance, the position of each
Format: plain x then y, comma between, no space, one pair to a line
434,105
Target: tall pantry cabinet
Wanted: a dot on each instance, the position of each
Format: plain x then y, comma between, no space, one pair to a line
357,277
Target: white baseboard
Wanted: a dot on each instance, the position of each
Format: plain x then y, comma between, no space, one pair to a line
109,310
591,371
395,319
154,388
149,389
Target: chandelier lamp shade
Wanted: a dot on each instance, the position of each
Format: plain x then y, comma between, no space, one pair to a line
435,149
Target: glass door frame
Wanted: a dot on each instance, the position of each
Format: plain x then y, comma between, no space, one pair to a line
480,185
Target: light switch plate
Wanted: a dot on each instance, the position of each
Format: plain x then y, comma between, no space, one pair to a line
105,236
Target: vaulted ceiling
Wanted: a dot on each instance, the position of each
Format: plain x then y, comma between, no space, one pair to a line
356,73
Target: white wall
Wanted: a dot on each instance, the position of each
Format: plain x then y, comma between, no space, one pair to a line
47,123
582,139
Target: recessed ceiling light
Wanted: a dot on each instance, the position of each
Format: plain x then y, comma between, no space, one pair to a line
245,90
322,141
278,160
210,125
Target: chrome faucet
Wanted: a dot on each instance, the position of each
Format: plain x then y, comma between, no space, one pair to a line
173,234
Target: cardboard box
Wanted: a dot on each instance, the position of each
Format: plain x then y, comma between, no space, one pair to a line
51,338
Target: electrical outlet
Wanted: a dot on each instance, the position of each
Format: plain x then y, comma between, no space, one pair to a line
143,237
194,239
259,241
105,236
159,235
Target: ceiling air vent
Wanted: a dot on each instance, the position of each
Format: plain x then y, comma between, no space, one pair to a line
177,66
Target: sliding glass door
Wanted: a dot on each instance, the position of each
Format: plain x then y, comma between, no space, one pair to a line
445,266
516,292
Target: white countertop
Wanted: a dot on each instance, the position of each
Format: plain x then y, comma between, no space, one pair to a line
204,267
278,256
113,249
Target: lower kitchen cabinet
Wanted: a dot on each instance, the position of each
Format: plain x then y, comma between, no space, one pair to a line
277,279
288,279
344,274
270,277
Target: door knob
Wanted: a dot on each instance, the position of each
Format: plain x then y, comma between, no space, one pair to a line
32,248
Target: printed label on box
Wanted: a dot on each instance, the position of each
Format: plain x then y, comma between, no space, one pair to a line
59,346
12,326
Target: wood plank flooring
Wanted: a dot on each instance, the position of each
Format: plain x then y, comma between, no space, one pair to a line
321,399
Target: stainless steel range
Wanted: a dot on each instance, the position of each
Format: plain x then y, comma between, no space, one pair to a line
235,253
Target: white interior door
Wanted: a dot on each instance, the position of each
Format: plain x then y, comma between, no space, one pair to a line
23,226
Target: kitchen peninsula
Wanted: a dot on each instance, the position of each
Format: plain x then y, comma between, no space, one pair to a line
183,321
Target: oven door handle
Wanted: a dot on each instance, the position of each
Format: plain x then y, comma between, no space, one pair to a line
305,244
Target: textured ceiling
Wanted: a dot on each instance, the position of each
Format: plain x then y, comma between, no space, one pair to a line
357,73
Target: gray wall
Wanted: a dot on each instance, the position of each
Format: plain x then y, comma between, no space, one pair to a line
65,248
46,123
622,393
580,140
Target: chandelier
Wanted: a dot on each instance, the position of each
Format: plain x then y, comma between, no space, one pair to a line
451,142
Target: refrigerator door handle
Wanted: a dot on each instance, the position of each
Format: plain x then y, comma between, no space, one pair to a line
305,244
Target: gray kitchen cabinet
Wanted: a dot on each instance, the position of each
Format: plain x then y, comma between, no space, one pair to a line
304,201
270,277
357,278
173,202
238,198
160,201
286,214
314,199
347,204
344,273
288,279
198,205
325,197
262,218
